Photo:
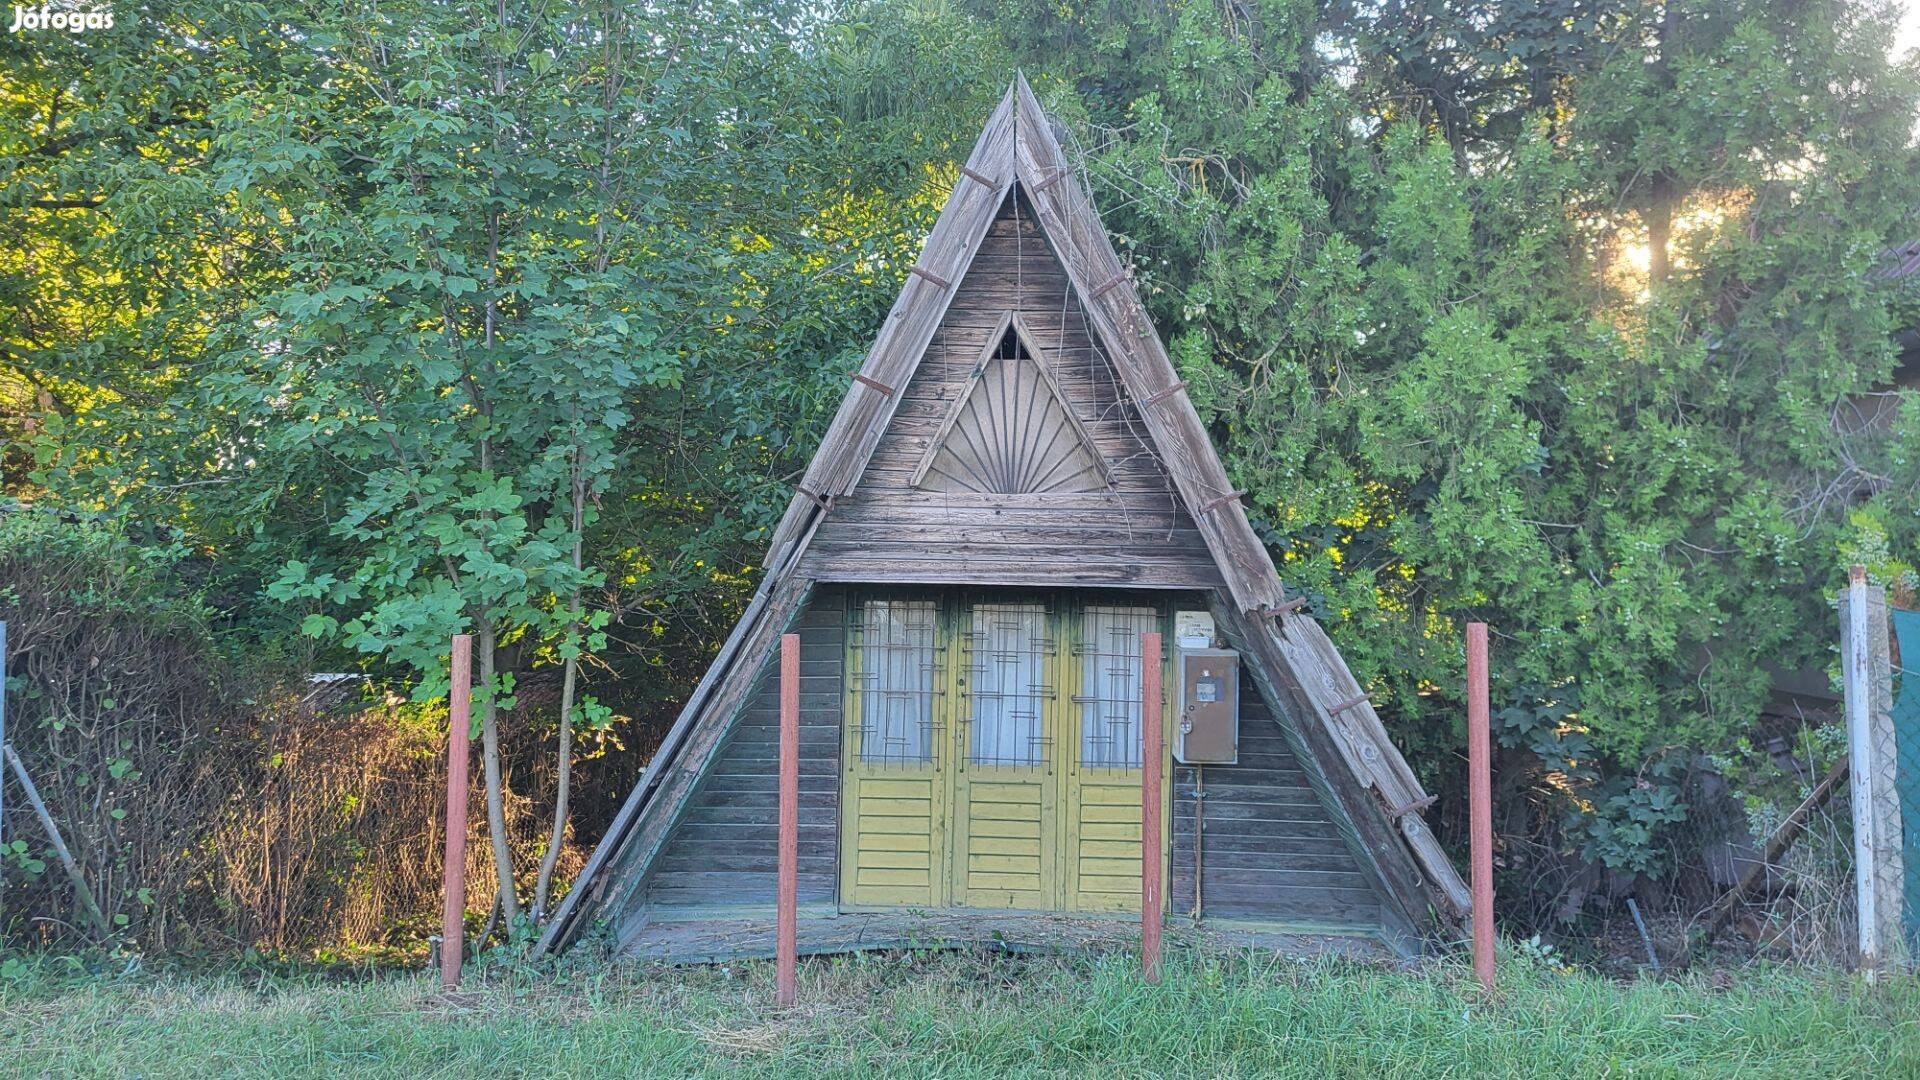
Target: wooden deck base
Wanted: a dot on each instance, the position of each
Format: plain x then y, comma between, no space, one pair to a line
723,937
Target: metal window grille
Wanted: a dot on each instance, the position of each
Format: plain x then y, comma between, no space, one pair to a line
1007,653
898,667
1109,697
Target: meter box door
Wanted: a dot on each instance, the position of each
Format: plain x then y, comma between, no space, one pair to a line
1208,731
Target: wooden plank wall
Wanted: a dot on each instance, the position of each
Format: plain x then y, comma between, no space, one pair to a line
888,531
1271,849
723,850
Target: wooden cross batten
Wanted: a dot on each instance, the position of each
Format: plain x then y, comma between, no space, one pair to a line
1159,396
1414,807
977,177
874,383
1336,710
922,272
1215,504
1055,177
1110,284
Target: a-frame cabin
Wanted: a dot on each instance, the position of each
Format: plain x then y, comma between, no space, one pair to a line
1013,490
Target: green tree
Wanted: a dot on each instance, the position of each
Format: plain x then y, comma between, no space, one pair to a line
1542,316
491,259
520,319
501,318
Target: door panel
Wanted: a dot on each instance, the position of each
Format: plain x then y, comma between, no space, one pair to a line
1103,783
896,794
1005,789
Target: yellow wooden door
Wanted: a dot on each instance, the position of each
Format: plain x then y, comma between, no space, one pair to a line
1005,831
1101,841
895,795
992,754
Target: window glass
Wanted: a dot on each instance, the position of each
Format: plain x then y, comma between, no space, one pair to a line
1110,685
1008,655
896,665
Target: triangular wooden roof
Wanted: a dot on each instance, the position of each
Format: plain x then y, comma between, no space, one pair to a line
1019,147
1296,666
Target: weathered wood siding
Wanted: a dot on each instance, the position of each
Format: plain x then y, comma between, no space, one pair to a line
1271,849
724,848
1136,534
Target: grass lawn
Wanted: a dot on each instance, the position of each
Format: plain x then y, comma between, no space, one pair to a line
963,1015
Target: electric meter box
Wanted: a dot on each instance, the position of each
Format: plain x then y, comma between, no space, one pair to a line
1207,729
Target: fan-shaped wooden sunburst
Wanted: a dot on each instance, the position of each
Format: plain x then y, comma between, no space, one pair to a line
1011,431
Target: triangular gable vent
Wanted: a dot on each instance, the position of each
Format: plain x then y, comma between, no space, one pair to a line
1010,431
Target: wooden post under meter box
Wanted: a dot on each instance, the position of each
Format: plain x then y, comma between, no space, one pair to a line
1207,682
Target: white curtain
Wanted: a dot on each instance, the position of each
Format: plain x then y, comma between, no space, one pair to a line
1009,684
1110,732
897,659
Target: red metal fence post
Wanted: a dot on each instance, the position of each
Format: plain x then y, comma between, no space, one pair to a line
1480,786
787,917
1151,749
453,911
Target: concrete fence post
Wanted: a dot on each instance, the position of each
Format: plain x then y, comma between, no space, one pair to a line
1866,670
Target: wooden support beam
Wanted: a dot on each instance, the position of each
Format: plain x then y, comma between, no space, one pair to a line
977,177
453,907
875,384
787,917
1777,845
929,275
1153,746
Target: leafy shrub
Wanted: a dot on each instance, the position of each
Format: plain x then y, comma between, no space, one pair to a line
116,708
